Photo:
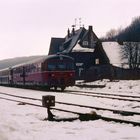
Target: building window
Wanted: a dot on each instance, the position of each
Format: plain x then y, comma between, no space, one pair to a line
97,61
79,64
85,43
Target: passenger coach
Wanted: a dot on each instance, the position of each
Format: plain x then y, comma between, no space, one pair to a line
57,71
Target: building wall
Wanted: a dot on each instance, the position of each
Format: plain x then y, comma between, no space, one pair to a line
98,72
126,74
87,62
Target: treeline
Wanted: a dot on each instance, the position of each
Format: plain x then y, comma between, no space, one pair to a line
129,37
129,34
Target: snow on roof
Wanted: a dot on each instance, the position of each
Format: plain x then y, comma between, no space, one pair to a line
74,39
78,48
114,53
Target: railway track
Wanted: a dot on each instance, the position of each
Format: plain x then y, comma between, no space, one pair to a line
122,112
105,95
118,95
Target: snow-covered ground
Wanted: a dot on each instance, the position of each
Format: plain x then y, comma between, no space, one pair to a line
24,122
129,87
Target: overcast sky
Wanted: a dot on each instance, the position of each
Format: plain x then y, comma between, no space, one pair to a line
26,26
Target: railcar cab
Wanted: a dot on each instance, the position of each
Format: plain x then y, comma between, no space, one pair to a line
60,69
59,63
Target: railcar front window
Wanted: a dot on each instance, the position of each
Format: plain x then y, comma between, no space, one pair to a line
51,67
60,66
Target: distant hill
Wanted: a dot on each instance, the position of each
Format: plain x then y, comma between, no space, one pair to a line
15,61
130,33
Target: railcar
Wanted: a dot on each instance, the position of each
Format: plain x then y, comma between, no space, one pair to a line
53,71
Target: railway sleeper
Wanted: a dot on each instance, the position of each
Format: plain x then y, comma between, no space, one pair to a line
89,116
123,113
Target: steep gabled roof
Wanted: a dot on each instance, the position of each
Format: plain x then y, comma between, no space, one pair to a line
86,34
74,39
55,45
70,42
114,53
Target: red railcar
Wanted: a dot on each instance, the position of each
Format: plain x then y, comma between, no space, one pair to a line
49,71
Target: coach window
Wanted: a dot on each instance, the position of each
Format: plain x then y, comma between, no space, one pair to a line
31,68
28,69
38,67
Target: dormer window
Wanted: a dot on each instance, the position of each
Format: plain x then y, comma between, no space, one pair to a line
85,43
61,48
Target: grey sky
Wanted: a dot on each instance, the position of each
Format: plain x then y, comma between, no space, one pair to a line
26,26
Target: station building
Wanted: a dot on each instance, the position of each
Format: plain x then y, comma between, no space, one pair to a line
93,58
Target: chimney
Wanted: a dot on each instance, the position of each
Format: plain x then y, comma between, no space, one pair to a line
68,33
73,31
90,28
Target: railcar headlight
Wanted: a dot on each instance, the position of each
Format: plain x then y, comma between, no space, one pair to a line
71,74
52,75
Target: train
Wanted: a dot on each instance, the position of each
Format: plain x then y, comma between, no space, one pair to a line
52,71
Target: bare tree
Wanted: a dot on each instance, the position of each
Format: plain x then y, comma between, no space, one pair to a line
111,34
131,51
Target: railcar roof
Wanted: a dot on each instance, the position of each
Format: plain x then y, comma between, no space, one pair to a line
6,69
42,59
37,60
